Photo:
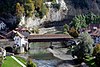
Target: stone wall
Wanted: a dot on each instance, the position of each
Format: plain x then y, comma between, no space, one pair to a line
5,43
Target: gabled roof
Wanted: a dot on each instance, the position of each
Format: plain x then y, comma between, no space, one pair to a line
2,37
96,33
21,29
93,25
18,33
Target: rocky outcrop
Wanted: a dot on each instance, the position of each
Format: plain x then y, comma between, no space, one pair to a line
53,15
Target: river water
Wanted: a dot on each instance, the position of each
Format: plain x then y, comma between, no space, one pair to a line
46,63
41,56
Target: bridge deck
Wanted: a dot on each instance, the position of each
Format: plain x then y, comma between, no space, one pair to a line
49,38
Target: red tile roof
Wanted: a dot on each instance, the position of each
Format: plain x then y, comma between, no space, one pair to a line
96,33
2,37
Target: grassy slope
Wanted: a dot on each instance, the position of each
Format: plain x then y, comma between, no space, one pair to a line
10,62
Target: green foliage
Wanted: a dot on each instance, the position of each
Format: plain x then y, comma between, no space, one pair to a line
29,8
10,62
92,18
53,1
38,4
40,8
30,63
90,61
96,53
79,22
66,29
44,10
85,47
82,21
24,7
96,49
35,30
19,11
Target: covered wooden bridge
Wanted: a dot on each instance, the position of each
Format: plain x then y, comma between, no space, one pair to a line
49,38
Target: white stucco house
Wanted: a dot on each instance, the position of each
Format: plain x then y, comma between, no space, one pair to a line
20,41
2,25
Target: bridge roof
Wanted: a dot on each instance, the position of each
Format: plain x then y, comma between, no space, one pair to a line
48,37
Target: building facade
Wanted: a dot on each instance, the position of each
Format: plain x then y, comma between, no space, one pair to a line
20,42
2,25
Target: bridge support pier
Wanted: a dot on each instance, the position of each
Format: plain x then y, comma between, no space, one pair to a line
51,45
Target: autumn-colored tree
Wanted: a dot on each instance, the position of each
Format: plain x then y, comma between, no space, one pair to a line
96,53
38,4
73,32
19,9
29,8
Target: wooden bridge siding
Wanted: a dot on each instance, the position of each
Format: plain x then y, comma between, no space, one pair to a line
48,40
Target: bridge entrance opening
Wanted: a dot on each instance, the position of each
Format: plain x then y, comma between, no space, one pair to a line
9,49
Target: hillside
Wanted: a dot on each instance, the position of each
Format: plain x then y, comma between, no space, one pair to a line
77,7
12,11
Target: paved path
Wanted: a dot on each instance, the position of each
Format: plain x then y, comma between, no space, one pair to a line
18,61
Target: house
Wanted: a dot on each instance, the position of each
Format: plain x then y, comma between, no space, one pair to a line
2,25
93,26
20,41
2,37
96,36
24,31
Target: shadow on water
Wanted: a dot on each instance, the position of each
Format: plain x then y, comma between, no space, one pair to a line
39,51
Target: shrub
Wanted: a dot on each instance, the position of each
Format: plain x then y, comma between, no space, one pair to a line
79,22
90,61
96,53
85,47
30,63
73,32
35,30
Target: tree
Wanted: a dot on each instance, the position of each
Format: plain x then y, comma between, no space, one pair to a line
66,29
92,18
96,53
73,32
38,4
79,22
19,10
85,47
29,8
82,21
30,62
